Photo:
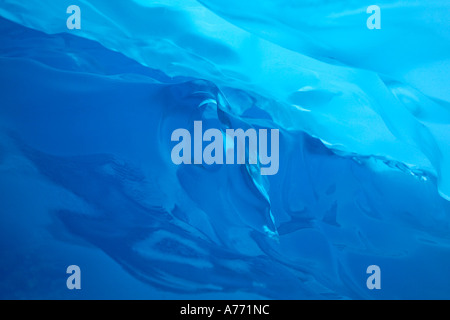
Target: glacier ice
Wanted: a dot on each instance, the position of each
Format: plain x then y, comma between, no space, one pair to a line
85,124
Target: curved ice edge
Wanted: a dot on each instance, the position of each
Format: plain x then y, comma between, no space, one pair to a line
382,162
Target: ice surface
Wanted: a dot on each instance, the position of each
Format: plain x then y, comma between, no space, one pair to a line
85,124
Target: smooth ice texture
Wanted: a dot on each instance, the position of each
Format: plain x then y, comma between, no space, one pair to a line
380,93
86,176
